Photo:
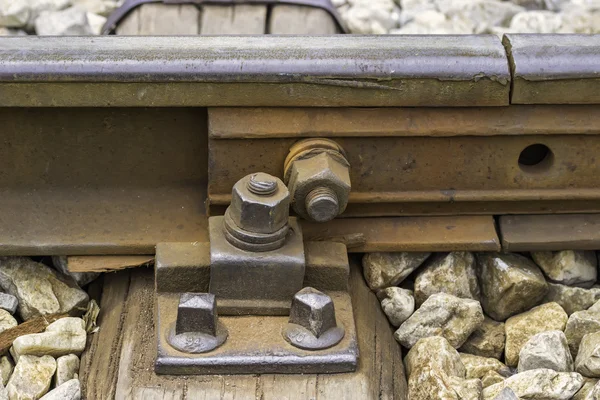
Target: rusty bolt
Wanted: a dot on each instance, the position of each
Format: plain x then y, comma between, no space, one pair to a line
260,204
319,179
197,312
197,329
312,323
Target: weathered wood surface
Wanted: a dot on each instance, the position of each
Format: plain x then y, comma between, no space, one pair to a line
118,362
161,19
242,19
106,263
299,20
239,19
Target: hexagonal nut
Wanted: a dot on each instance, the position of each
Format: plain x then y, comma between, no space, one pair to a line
313,310
259,213
322,170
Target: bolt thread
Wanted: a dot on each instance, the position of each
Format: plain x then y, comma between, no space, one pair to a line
322,204
264,185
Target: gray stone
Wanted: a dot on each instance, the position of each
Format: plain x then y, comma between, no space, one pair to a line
506,394
11,32
453,273
520,328
70,390
371,16
442,315
587,390
67,368
484,13
510,284
7,321
435,371
100,7
536,22
68,22
434,352
39,6
477,367
491,378
39,289
539,384
568,267
382,270
14,13
487,340
62,337
546,350
398,304
6,369
8,302
571,298
82,278
31,378
587,362
580,324
96,22
432,22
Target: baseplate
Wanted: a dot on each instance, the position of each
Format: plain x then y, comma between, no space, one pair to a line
256,345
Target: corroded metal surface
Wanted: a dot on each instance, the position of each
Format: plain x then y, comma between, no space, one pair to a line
550,232
554,69
130,5
437,175
397,70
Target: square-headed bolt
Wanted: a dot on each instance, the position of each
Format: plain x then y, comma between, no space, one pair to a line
197,328
312,324
197,312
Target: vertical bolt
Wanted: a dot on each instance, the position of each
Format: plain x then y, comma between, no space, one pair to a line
262,184
322,204
312,324
197,329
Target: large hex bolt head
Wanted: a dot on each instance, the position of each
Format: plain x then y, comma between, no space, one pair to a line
197,329
260,203
312,324
320,186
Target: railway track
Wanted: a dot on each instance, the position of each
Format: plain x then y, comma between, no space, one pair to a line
116,145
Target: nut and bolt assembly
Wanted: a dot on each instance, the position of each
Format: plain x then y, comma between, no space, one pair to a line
317,173
257,219
312,324
197,328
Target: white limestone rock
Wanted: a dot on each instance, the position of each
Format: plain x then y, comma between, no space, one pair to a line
14,13
70,390
487,340
62,337
520,328
510,284
67,368
485,14
68,22
539,384
6,369
31,378
572,298
433,22
39,6
581,323
12,32
548,350
491,378
568,267
587,362
398,304
7,321
82,278
477,367
587,390
536,22
100,7
39,289
434,352
382,270
442,315
452,273
372,16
